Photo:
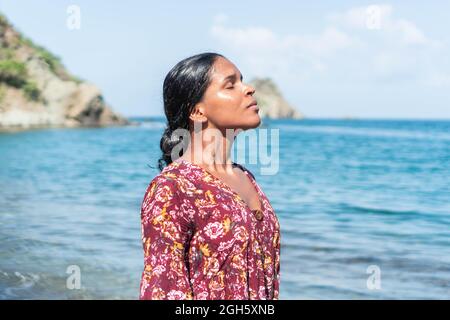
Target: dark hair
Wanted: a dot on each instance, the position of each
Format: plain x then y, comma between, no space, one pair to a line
184,87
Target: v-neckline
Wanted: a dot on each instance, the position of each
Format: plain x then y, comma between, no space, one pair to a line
226,186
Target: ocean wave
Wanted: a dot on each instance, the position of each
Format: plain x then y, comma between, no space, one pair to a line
391,133
152,125
14,283
381,211
396,214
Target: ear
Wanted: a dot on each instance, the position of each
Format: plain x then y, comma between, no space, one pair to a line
198,114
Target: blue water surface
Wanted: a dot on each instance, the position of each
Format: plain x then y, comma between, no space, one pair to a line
351,196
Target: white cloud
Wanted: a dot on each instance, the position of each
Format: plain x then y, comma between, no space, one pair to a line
396,47
253,38
220,18
410,33
380,17
265,51
257,38
439,80
369,17
360,44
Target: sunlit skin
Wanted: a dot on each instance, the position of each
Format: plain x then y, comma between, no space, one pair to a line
225,105
226,100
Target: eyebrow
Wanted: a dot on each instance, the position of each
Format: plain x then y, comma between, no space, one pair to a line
231,77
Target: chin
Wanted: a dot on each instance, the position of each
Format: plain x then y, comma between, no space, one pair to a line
252,122
257,121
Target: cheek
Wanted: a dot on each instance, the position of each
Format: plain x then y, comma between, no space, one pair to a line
223,105
231,99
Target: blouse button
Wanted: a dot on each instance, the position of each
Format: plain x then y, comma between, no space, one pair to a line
258,214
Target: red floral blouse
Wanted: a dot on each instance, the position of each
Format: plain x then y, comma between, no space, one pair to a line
202,241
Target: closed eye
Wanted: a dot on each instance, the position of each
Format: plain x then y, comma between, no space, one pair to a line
230,85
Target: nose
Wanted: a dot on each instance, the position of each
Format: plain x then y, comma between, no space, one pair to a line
249,90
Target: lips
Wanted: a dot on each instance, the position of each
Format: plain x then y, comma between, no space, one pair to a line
253,105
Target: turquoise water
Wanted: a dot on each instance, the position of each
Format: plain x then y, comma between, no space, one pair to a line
349,194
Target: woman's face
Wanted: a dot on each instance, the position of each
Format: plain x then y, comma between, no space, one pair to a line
228,103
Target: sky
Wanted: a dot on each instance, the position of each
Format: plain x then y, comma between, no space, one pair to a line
382,60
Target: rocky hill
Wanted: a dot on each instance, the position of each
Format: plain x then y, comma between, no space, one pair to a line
271,102
37,91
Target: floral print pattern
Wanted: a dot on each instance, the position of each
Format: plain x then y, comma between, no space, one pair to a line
202,241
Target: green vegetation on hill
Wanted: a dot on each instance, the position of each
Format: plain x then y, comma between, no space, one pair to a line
14,74
26,69
53,61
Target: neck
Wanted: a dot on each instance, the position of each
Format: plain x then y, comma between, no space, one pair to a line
211,148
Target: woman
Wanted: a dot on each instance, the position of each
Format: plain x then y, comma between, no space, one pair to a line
208,230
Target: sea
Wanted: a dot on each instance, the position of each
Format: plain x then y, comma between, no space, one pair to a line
363,205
